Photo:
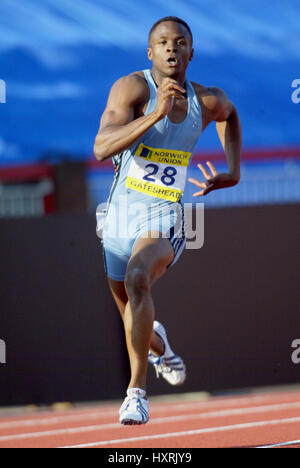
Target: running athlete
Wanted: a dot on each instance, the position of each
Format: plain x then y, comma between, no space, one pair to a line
150,128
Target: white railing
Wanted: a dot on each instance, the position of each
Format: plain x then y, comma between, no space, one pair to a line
17,200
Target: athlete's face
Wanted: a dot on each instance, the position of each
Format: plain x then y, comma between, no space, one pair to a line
170,48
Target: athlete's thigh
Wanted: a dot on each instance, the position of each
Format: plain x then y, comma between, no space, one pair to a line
152,254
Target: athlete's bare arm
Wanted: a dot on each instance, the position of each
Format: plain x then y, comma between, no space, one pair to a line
119,126
216,107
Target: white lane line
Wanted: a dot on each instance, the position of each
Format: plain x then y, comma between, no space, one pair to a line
163,420
282,444
189,433
226,402
52,420
155,407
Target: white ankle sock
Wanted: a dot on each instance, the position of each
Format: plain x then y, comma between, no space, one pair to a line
136,391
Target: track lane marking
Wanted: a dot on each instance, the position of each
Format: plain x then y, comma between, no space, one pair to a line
187,433
155,408
103,413
163,420
56,420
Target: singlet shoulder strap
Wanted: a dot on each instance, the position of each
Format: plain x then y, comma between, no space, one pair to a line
193,97
151,83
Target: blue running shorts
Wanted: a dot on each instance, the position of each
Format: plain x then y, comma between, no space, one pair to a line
118,245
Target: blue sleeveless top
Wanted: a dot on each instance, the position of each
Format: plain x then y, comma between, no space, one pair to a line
154,169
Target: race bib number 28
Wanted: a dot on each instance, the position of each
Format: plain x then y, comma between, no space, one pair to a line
158,172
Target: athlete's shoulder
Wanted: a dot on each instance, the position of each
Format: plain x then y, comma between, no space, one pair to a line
137,78
209,95
133,85
214,102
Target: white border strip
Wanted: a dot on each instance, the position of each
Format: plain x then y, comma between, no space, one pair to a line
282,444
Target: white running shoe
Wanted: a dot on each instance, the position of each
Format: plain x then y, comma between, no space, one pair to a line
135,409
169,365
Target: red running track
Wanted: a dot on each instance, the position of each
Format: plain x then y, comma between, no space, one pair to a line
254,420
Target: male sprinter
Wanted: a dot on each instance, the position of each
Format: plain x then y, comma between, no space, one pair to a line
150,128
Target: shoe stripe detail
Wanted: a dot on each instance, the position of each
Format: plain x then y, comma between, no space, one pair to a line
127,406
172,358
173,363
154,359
144,415
171,368
176,364
143,411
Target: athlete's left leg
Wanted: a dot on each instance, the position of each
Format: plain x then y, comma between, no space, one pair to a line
121,299
148,262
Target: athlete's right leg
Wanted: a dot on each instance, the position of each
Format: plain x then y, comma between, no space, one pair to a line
149,261
120,296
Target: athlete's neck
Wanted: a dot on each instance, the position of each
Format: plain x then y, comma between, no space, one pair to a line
158,78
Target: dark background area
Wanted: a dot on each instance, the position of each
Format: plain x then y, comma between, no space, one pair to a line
231,308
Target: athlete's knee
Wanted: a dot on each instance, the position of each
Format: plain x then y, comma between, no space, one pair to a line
137,281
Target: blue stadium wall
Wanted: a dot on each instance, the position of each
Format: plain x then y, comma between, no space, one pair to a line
60,59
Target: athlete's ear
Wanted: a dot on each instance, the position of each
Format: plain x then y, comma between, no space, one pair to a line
192,55
149,50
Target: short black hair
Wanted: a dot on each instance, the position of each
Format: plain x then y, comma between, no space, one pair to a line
174,19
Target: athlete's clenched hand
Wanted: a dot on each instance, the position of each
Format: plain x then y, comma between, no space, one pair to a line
166,93
214,180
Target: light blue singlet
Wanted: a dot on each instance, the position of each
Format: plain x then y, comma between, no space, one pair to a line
149,181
